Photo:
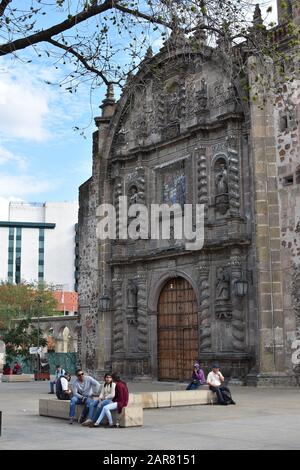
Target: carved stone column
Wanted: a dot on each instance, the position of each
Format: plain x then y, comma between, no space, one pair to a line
142,317
205,315
238,314
118,327
202,182
234,182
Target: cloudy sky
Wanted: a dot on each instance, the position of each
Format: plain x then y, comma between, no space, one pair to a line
41,157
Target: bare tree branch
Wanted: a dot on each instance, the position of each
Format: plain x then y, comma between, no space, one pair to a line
46,34
83,60
72,21
3,6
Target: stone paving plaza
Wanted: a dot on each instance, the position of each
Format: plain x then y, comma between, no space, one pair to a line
263,419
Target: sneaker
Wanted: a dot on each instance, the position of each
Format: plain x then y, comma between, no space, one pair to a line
95,425
71,420
50,393
87,422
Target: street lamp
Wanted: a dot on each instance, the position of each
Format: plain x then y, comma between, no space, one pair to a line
104,300
241,287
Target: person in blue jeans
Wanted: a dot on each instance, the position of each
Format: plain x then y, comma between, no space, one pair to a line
198,378
106,396
83,389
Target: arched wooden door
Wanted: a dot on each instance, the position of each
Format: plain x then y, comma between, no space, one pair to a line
177,330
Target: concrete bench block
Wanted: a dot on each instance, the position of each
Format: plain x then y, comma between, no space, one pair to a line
135,399
163,399
132,415
190,397
149,400
17,378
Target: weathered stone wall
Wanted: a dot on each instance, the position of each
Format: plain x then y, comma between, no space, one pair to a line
287,115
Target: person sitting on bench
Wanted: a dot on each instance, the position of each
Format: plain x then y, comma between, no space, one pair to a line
59,371
215,380
63,392
120,401
198,378
106,396
82,395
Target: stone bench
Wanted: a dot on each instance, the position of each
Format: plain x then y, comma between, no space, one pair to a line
17,378
174,398
132,414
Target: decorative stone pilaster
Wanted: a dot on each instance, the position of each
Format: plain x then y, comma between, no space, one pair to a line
142,317
118,327
205,316
202,182
234,182
238,319
118,191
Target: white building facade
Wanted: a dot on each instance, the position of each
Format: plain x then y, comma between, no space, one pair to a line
38,243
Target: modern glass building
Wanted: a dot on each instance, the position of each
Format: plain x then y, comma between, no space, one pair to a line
37,243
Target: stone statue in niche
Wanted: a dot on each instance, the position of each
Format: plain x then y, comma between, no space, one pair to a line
133,195
202,95
221,186
173,107
132,293
221,179
222,284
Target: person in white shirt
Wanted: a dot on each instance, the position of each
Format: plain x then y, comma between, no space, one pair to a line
107,393
59,371
63,391
215,380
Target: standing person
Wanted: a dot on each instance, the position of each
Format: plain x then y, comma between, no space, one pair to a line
62,389
198,377
107,393
59,371
17,370
120,400
215,380
82,394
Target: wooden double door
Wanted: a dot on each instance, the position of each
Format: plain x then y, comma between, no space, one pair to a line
177,330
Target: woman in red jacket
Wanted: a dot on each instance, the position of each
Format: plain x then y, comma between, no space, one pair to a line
120,400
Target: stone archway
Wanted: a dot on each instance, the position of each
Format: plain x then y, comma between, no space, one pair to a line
177,330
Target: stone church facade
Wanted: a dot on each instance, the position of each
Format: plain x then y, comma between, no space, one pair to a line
180,134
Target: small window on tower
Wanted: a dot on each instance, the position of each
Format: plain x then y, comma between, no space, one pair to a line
288,180
283,123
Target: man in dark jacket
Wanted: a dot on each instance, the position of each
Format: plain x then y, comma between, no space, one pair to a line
120,401
63,391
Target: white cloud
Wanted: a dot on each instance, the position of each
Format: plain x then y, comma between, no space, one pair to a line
24,185
23,105
7,157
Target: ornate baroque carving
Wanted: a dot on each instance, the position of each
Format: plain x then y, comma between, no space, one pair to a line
205,317
202,182
142,319
238,320
234,183
118,331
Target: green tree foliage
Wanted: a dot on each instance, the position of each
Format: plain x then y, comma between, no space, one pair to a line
25,301
20,338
